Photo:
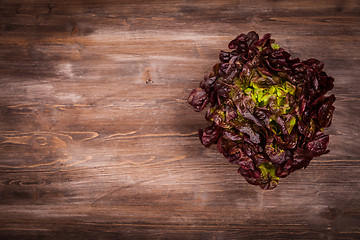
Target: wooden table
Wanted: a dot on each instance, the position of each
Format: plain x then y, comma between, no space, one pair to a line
97,140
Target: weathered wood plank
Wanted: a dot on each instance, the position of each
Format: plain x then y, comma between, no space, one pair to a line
97,140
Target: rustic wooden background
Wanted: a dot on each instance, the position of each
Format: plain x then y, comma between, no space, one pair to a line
97,140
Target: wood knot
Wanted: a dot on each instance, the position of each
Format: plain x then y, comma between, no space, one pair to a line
75,31
149,81
50,8
330,213
146,76
27,183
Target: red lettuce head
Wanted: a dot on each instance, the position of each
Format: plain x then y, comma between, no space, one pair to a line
267,111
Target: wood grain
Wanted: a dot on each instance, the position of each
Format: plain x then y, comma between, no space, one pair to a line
97,140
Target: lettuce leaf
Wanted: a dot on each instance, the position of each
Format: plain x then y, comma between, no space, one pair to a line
267,111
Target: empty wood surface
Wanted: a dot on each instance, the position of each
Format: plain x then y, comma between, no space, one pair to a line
97,140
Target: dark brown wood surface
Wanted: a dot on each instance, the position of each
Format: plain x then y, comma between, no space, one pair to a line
97,140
